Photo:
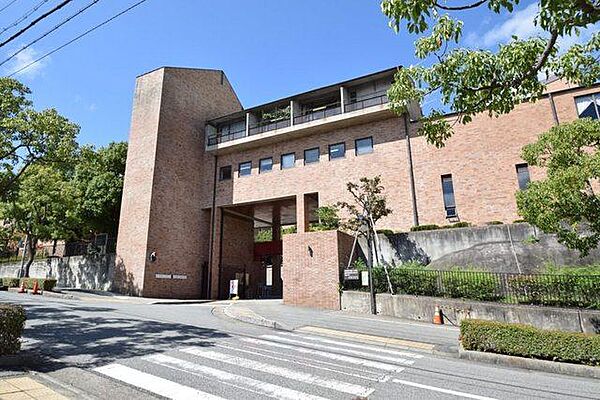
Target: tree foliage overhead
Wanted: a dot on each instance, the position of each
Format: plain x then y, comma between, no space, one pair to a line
29,137
567,202
472,81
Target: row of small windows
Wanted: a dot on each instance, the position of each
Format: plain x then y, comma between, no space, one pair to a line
448,188
288,160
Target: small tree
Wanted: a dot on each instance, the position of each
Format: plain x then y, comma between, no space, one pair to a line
328,218
565,202
369,203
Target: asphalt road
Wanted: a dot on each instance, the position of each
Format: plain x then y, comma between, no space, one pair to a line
113,350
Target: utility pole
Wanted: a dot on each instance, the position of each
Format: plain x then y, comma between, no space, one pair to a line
370,269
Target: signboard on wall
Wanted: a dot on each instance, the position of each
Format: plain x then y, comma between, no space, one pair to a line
364,278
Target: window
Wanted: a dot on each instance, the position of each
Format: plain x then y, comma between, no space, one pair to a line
364,146
448,190
337,150
523,176
588,106
245,168
311,155
225,173
265,165
288,160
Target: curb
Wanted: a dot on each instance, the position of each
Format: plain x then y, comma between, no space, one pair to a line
583,371
253,318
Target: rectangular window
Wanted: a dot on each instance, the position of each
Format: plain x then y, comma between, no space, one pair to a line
245,168
225,173
448,190
311,156
288,160
364,146
523,176
588,106
265,165
337,150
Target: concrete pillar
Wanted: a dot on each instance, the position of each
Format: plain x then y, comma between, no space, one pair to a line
343,97
302,214
294,111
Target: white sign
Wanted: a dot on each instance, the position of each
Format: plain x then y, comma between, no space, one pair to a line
351,274
179,276
233,286
364,278
162,276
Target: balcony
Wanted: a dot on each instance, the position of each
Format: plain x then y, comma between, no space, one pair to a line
357,101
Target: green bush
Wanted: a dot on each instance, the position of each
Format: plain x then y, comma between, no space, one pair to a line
527,341
459,225
12,322
415,281
10,282
555,290
494,223
430,227
470,285
43,283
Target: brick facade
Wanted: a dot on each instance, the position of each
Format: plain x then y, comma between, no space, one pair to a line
168,193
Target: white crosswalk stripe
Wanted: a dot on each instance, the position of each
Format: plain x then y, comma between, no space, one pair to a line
305,377
282,365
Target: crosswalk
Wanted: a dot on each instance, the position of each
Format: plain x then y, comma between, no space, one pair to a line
281,365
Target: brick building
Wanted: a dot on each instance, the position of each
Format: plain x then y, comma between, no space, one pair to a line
203,174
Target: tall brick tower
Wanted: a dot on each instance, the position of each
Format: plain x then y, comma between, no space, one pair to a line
163,231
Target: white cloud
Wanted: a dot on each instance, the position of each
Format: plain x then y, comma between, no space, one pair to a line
23,59
92,107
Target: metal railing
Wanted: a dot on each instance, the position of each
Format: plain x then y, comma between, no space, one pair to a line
61,250
564,290
225,137
319,113
269,125
371,100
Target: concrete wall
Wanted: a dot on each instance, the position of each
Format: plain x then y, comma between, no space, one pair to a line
421,308
80,272
495,247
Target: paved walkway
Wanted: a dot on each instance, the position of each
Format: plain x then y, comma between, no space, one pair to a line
444,338
25,388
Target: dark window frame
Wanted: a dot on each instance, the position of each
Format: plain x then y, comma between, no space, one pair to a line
364,138
519,168
224,168
281,160
595,97
336,144
260,170
240,168
318,155
450,209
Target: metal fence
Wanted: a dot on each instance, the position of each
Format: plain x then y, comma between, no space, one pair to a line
563,290
374,99
61,249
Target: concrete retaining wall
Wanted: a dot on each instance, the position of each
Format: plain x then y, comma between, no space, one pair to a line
496,248
81,272
421,308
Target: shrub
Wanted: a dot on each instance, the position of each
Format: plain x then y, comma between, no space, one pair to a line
12,322
527,341
430,227
495,223
386,232
44,284
555,290
414,280
519,221
10,282
470,285
459,225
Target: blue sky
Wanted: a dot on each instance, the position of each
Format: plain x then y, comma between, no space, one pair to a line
267,48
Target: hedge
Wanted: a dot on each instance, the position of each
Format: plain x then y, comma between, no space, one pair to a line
12,322
527,341
43,283
10,282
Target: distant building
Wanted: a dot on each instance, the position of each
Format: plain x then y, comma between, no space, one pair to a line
203,173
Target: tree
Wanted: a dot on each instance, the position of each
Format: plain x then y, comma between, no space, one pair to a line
29,137
98,183
369,203
565,202
472,81
42,208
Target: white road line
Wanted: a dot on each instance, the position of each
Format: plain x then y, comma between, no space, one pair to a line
325,354
160,386
299,376
447,391
354,345
311,364
398,360
241,382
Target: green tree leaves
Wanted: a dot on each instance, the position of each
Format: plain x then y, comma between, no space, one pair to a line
566,202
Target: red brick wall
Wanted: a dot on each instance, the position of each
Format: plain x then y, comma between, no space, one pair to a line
312,263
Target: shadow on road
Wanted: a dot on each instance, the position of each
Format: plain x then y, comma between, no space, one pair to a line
60,336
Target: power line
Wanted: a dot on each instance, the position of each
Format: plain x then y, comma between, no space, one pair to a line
8,5
77,37
48,32
35,21
24,17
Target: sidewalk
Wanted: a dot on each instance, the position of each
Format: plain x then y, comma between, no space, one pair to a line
26,388
444,338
